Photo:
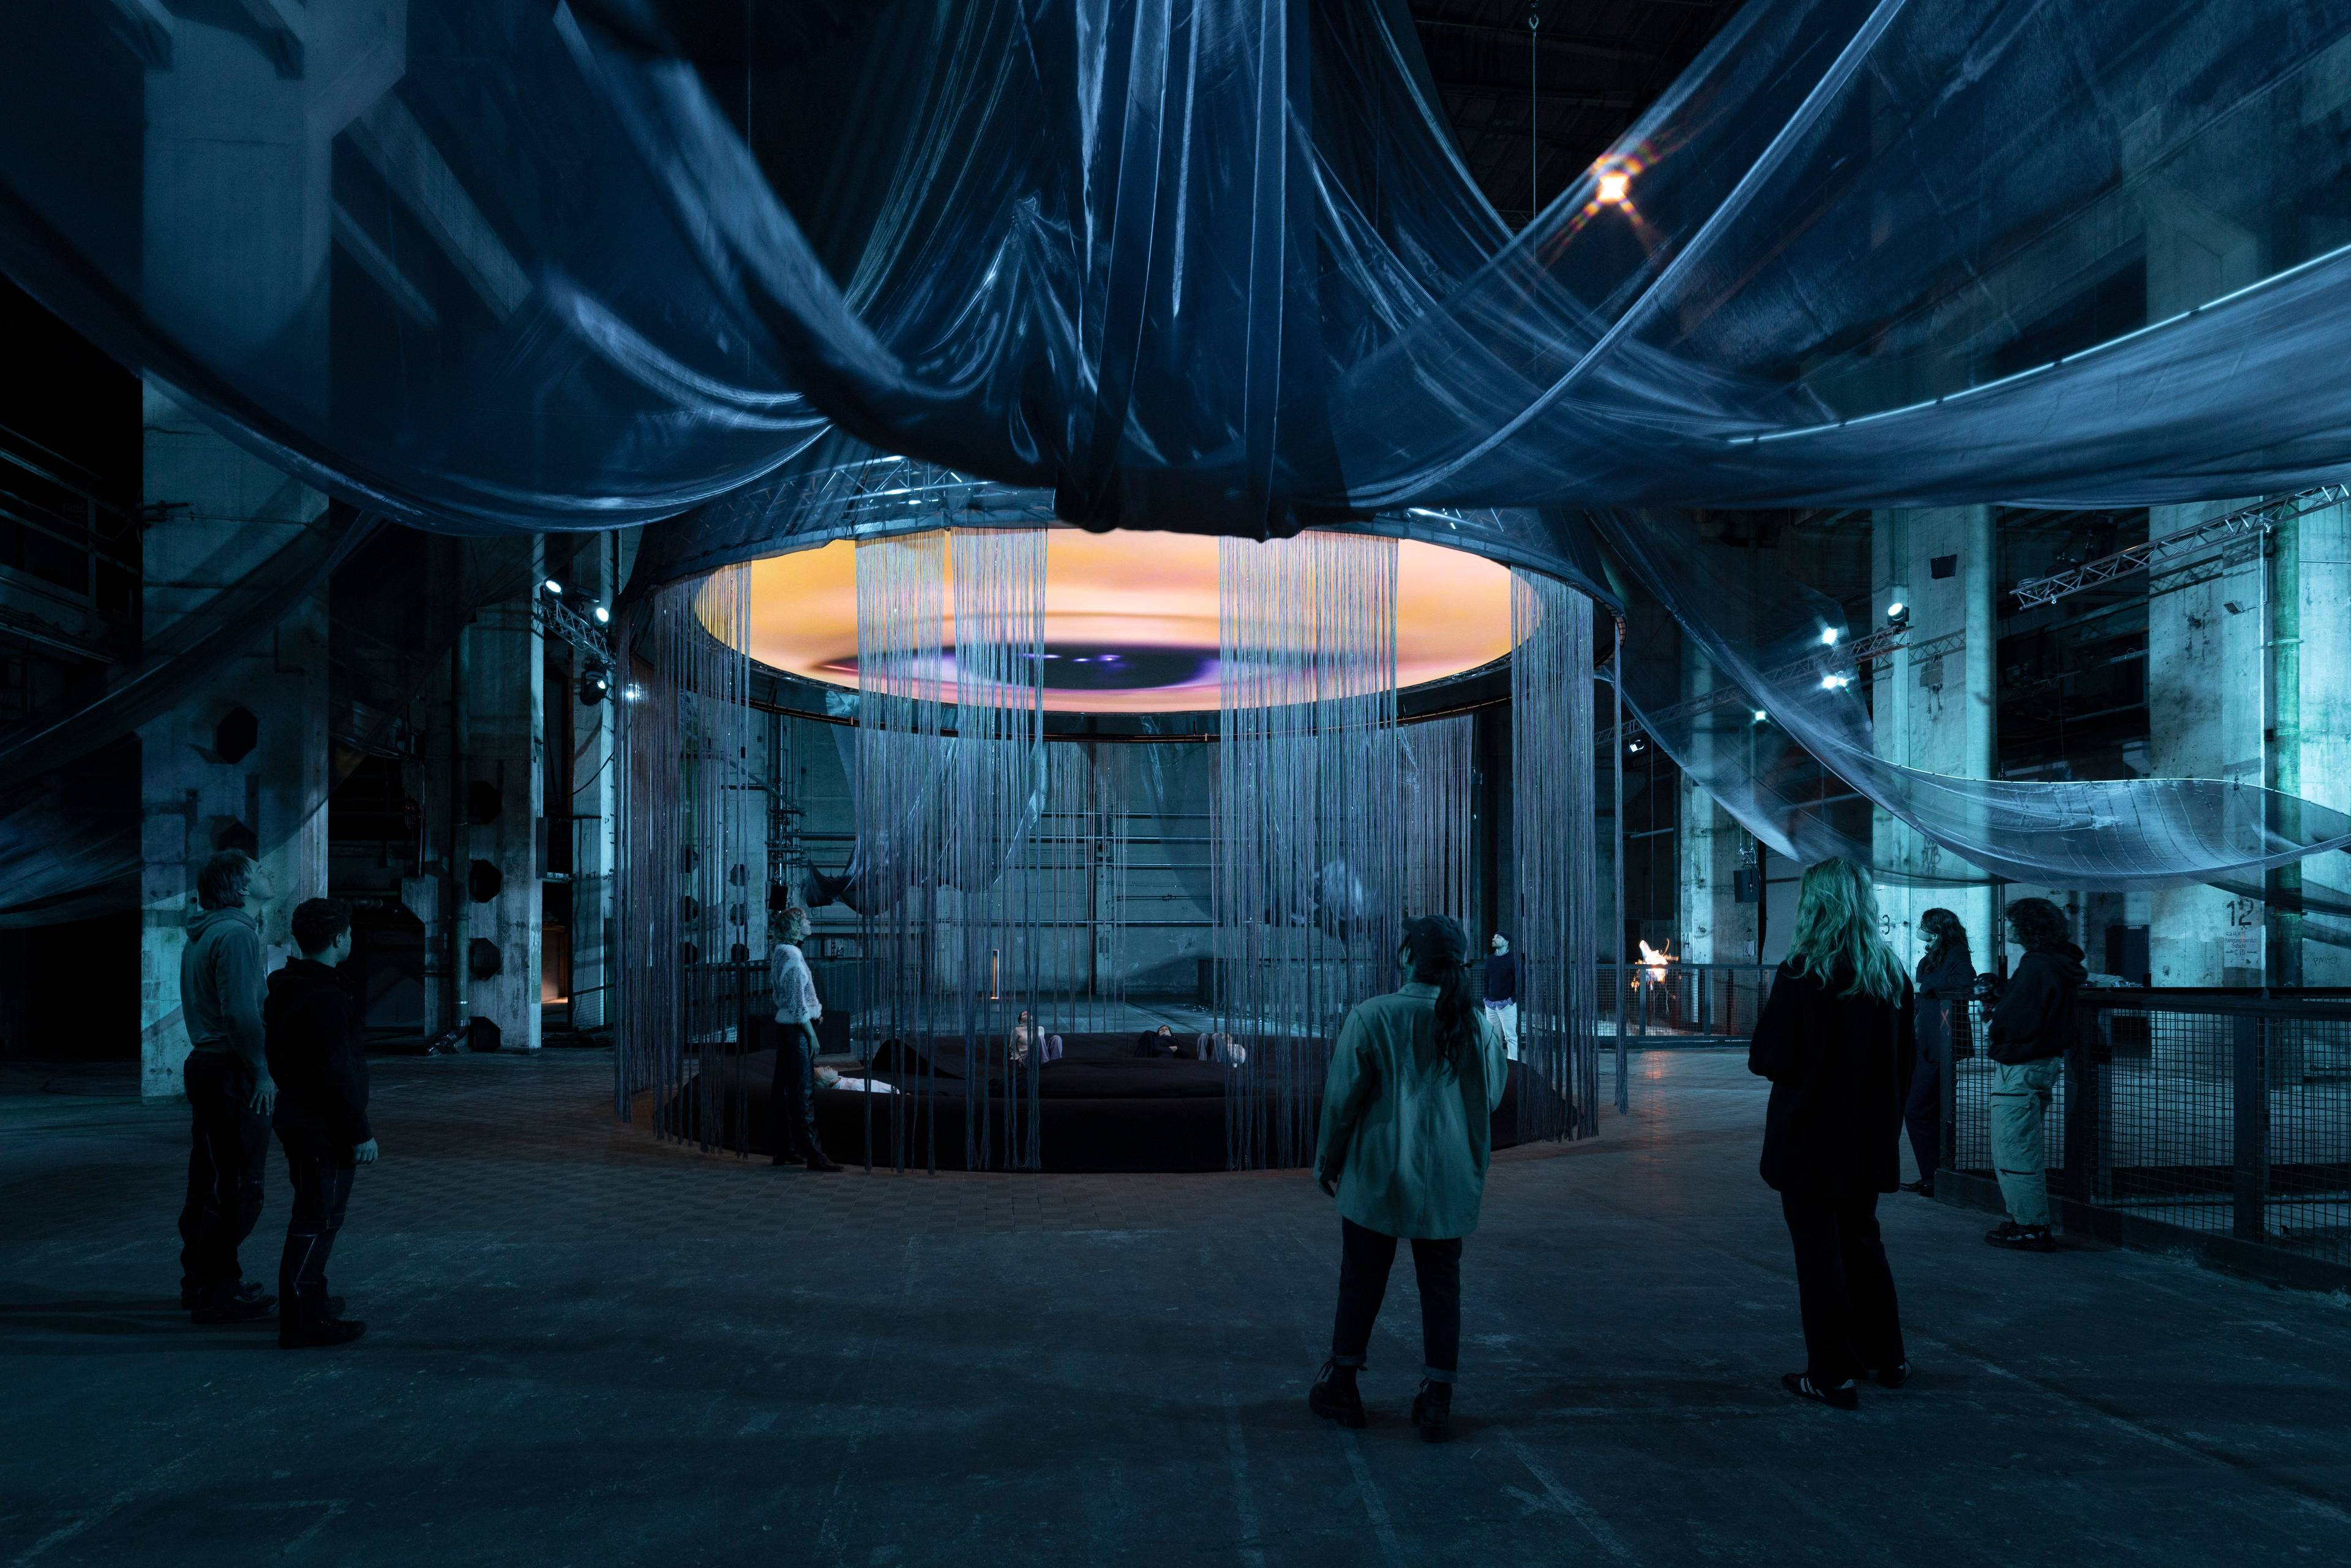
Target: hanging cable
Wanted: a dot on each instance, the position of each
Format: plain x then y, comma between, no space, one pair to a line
1535,146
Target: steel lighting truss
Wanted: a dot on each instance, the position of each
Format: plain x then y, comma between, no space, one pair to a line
2173,547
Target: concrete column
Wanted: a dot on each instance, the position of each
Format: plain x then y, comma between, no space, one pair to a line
2206,624
2311,725
1934,703
1716,928
594,827
236,219
2207,708
504,856
243,762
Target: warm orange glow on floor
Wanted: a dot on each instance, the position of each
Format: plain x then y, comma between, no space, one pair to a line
1131,618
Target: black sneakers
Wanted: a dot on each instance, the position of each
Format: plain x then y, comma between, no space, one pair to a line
195,1296
818,1160
321,1334
2021,1237
1893,1376
1924,1187
1432,1410
1334,1396
1837,1395
230,1306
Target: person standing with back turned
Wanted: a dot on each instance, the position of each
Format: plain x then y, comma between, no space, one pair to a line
1838,1040
319,1059
1406,1134
230,1092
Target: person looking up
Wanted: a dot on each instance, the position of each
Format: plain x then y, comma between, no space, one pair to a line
319,1061
230,1090
1838,1040
1027,1036
1946,979
2031,1029
1406,1134
792,1097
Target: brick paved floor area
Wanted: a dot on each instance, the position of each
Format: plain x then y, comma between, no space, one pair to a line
586,1347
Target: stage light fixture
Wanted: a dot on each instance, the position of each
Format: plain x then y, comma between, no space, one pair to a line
1636,746
1897,611
1614,185
553,587
595,683
602,615
1835,683
1829,635
1761,715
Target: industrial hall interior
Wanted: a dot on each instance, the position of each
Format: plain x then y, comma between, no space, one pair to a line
1263,782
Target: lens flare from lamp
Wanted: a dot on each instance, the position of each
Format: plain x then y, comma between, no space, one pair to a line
1614,185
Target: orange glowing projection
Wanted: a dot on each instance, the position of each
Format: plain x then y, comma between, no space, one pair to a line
1131,618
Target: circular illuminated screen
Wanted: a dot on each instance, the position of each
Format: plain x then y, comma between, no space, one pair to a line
1131,618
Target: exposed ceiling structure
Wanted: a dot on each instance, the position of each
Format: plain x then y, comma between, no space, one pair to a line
1565,89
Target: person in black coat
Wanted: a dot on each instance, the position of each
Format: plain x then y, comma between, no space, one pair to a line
1946,974
1158,1042
2031,1029
1838,1040
312,1031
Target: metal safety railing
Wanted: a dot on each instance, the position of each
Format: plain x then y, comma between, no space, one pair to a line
1676,1003
2214,1115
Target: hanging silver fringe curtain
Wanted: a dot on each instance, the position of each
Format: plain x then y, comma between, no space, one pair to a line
959,950
692,854
1003,873
1555,841
1310,829
1441,770
902,828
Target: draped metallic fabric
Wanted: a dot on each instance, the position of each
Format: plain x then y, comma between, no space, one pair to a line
1213,265
1210,265
1310,852
1779,722
1554,834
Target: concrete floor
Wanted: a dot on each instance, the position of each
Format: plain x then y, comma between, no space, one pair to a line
589,1349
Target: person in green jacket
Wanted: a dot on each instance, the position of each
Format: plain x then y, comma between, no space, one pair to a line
1406,1134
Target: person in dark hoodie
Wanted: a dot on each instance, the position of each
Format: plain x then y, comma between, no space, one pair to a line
1946,978
2031,1029
1838,1040
320,1065
229,1089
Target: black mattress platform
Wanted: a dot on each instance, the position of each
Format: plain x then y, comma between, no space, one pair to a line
1098,1110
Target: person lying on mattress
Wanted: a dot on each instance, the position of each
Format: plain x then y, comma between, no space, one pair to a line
1159,1042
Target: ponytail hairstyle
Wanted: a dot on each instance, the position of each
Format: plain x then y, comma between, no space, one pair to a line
1437,950
1836,939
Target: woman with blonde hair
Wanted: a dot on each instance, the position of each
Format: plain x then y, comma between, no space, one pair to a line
1838,1040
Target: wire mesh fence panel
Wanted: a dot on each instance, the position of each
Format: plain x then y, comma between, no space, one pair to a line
2220,1116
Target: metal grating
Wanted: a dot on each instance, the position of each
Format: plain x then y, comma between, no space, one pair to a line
2222,1116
